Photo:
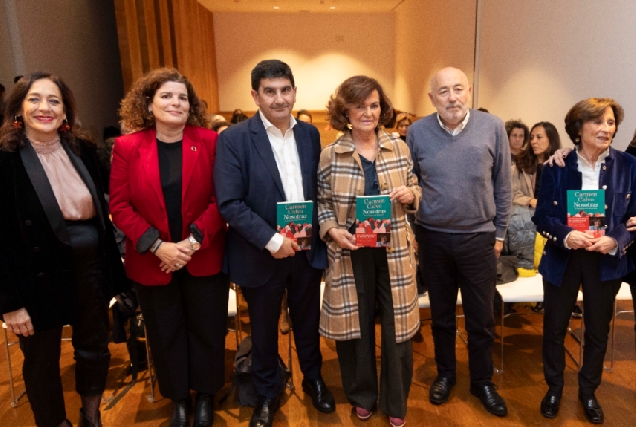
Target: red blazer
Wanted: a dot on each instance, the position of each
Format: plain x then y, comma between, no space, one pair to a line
137,203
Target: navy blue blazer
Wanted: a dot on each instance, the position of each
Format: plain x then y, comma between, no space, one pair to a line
618,179
248,186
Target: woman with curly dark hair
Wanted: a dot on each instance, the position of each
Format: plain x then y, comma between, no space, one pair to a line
367,161
162,198
59,263
518,136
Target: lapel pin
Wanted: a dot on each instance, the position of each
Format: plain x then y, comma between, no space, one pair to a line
193,148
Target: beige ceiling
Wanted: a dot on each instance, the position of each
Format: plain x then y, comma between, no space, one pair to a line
301,5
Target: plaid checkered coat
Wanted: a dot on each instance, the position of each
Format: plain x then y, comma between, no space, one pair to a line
340,180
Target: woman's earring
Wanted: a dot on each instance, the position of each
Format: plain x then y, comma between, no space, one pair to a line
18,122
349,126
64,127
577,140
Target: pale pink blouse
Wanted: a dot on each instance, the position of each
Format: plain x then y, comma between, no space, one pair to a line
70,191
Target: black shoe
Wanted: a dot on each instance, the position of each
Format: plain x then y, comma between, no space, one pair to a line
593,411
203,410
577,312
263,415
418,337
550,405
440,390
85,422
491,400
321,397
180,413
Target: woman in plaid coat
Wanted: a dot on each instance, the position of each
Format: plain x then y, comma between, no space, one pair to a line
367,161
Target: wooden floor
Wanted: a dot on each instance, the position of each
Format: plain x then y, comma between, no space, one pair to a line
521,385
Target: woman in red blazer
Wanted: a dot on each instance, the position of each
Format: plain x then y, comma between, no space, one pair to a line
162,198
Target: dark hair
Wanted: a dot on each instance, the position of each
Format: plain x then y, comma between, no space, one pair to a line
11,138
270,69
588,110
518,124
17,79
483,110
217,125
352,92
527,161
134,112
2,88
304,112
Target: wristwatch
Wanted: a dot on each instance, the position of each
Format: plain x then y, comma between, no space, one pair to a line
194,243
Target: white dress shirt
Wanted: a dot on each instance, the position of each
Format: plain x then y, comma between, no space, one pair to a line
288,163
458,129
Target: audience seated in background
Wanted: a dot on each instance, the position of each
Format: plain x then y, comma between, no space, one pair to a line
304,116
518,136
219,127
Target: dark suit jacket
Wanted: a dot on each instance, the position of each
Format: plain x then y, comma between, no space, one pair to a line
248,186
137,203
618,178
36,258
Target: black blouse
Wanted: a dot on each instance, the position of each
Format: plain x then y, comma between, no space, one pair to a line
170,170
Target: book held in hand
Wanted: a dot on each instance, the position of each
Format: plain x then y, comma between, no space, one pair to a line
586,211
293,220
373,221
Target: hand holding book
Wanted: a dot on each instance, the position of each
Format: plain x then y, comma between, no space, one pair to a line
343,238
602,244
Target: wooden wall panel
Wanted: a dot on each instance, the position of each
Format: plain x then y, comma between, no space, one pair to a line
168,33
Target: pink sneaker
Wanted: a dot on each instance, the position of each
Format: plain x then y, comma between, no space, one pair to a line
362,413
397,422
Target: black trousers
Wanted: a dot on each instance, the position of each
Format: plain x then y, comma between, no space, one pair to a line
357,357
186,322
631,280
468,262
41,367
302,283
598,306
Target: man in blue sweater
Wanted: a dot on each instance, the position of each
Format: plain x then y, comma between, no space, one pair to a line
462,159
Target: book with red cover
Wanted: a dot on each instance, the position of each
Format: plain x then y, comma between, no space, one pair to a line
373,221
293,220
586,211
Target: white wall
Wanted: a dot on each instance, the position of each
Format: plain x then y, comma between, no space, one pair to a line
76,40
321,49
430,35
540,57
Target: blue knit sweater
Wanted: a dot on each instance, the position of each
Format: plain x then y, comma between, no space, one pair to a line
465,179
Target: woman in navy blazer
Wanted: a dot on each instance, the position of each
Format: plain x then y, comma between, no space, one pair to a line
162,197
574,259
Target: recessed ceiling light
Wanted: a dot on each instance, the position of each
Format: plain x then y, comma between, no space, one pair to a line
276,7
332,7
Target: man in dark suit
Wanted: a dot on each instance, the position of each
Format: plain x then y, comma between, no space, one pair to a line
267,159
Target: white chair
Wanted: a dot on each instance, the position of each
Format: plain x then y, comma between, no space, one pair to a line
524,289
424,301
624,294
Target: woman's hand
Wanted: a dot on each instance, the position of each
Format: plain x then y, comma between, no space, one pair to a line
19,322
173,256
558,157
579,240
602,244
631,224
532,203
402,194
343,238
